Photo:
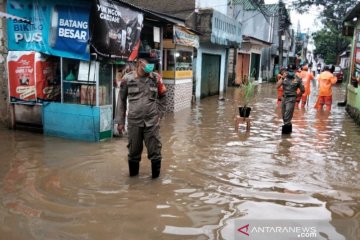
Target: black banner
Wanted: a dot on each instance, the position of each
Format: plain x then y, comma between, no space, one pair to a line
115,30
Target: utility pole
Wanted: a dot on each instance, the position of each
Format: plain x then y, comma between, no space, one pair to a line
281,33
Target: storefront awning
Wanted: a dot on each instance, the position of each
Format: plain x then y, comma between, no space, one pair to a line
13,17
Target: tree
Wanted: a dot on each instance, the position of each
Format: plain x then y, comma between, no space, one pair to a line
333,11
329,44
329,41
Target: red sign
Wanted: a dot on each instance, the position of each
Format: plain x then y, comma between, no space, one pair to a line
21,76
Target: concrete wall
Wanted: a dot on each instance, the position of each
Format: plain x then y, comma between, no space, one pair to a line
255,25
4,106
218,5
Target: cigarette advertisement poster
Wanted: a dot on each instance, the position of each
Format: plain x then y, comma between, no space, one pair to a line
115,30
21,76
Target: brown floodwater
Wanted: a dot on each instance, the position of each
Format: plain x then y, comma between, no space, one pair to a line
213,178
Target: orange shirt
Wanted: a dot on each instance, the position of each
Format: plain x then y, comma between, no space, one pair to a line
306,79
326,79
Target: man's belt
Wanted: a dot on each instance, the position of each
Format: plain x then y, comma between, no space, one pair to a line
289,95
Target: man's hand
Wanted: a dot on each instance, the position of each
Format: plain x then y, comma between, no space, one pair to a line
120,128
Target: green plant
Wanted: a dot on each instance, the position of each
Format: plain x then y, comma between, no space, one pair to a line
249,91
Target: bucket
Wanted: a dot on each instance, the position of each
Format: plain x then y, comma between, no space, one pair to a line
244,112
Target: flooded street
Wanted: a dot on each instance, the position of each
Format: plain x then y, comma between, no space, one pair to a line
212,180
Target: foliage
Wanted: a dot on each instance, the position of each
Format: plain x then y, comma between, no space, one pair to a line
329,41
332,11
249,92
329,44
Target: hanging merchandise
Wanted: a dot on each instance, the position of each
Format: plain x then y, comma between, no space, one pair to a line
115,30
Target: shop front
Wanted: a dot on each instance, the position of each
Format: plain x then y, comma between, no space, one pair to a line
249,59
177,72
64,65
352,28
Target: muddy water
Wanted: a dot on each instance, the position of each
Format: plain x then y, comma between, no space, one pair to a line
213,178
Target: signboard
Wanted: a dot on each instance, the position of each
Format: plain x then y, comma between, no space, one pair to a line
184,37
356,62
115,30
21,76
57,28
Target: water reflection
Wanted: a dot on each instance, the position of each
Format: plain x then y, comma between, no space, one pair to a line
213,177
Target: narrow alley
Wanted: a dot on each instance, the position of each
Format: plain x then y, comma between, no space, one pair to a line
212,179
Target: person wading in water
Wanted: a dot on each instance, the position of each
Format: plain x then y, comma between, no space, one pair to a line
290,83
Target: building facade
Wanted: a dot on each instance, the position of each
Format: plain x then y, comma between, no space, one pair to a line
218,33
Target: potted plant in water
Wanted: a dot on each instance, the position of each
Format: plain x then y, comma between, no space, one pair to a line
248,93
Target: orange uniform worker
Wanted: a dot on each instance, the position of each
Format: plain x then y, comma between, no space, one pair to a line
306,79
280,89
325,80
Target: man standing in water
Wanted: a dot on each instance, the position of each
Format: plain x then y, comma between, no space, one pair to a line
146,94
306,77
290,83
326,80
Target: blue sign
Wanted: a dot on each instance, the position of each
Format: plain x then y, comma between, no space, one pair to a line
56,28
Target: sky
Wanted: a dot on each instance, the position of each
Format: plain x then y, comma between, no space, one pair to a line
308,21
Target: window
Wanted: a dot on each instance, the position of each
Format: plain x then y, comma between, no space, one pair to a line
183,60
169,60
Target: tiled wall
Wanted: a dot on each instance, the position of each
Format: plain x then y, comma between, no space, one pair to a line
179,95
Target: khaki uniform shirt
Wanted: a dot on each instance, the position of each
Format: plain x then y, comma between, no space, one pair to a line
147,104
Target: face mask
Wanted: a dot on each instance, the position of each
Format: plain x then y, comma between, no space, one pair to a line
149,68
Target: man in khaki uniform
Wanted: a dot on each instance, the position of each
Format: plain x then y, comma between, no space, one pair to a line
146,95
290,84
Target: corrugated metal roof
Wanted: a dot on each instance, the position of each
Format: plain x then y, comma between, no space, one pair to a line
248,6
272,8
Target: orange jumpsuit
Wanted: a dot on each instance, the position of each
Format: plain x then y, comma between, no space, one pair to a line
306,79
326,80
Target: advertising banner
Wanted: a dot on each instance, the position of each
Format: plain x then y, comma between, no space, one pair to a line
185,38
47,81
57,28
115,30
357,55
21,76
